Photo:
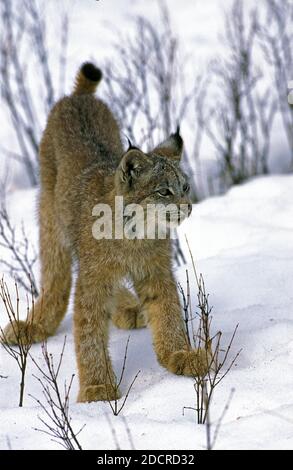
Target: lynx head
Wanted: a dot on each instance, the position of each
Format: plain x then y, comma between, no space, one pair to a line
155,178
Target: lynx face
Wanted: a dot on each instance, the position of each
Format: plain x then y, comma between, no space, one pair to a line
155,179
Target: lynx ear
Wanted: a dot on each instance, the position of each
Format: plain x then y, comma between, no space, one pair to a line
132,165
171,147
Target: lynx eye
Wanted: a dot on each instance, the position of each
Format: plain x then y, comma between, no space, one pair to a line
165,192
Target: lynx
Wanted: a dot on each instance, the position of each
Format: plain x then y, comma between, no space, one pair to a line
82,163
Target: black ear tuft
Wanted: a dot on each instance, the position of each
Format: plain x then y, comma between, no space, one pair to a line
130,145
178,139
172,147
91,72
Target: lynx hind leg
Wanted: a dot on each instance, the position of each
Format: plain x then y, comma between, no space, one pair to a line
51,305
126,311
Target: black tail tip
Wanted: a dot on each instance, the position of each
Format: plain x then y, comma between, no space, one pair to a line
91,72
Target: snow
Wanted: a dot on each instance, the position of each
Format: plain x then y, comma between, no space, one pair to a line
243,245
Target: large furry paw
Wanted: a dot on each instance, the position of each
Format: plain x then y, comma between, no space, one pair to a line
129,319
23,332
195,362
103,392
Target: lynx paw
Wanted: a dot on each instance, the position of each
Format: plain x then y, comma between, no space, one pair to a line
129,319
103,392
24,332
192,363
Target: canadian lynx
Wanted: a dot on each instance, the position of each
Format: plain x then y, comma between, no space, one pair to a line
82,163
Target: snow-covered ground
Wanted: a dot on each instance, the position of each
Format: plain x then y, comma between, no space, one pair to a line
243,244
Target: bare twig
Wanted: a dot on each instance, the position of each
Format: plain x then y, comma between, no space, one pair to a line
276,36
24,45
22,338
57,421
239,121
205,385
186,306
145,85
21,257
116,409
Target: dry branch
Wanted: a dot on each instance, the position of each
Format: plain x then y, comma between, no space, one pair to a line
24,50
217,357
145,85
57,421
238,121
21,257
20,351
116,409
276,36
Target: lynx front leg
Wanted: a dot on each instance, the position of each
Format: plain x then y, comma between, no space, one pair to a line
159,297
96,377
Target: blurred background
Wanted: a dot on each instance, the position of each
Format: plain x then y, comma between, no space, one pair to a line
218,68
